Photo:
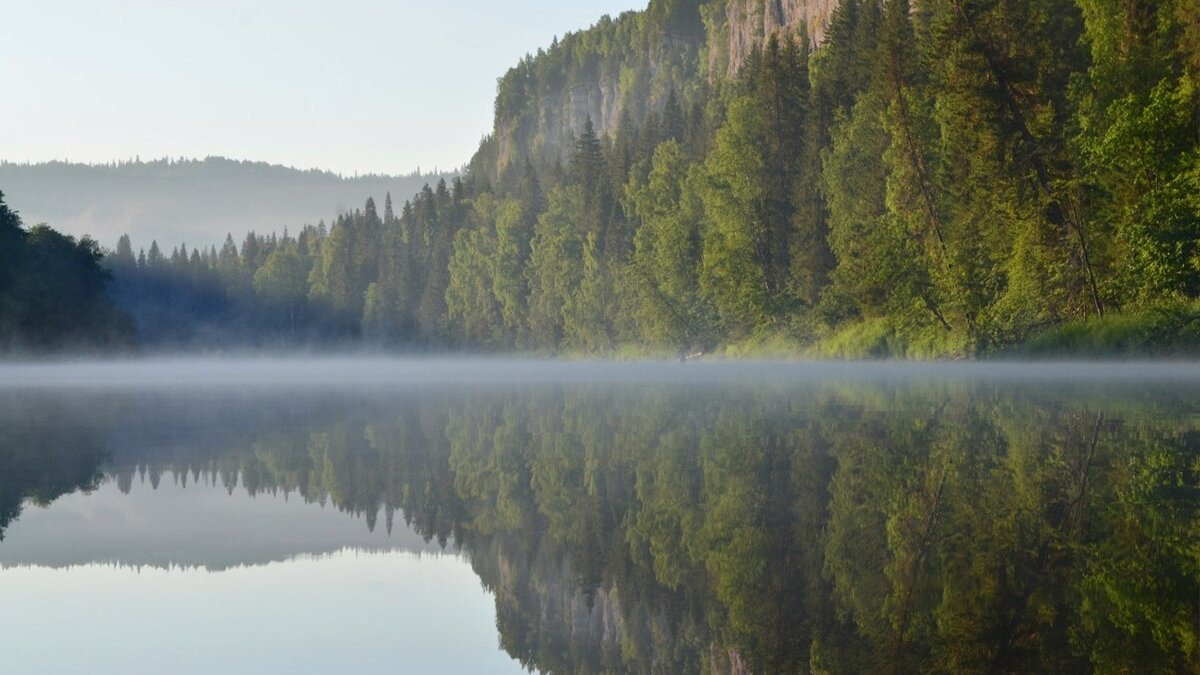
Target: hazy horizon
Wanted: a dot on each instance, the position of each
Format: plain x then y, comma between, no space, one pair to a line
368,87
118,162
196,202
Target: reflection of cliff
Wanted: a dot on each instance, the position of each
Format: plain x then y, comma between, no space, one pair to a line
840,528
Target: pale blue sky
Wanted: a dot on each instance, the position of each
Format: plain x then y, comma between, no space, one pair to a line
347,85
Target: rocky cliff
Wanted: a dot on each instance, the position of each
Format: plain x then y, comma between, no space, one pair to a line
624,69
747,23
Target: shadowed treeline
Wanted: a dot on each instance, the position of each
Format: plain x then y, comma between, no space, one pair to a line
937,526
945,177
938,178
53,291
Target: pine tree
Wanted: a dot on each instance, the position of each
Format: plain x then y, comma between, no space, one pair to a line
672,126
1001,109
154,259
588,172
471,305
124,255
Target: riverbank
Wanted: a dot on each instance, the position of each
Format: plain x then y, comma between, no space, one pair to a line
1163,332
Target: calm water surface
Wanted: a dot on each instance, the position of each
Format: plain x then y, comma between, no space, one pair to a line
491,517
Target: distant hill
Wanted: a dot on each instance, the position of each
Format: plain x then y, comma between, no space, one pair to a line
192,201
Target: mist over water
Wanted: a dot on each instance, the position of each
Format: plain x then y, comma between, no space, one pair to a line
567,516
182,373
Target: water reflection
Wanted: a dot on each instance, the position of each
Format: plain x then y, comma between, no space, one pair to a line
890,526
187,521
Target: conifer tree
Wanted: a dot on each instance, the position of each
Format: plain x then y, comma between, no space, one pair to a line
154,259
124,253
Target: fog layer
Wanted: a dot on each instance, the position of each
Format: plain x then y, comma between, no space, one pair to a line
184,373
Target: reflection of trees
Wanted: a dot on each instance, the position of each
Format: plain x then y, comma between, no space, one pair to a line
43,456
946,530
872,528
339,453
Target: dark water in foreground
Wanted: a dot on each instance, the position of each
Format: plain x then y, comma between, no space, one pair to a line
484,517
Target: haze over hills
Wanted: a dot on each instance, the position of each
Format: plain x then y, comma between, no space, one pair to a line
850,178
199,201
196,202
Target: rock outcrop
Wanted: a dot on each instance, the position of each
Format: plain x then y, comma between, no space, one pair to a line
748,23
623,68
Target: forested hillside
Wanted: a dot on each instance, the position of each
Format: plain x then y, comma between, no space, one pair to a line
945,176
933,177
196,201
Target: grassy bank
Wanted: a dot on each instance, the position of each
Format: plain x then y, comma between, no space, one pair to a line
1166,331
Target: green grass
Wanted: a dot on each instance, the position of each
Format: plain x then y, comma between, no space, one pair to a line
869,339
1171,330
880,338
764,345
1165,331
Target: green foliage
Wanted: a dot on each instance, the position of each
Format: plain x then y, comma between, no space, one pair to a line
1137,137
11,244
586,311
556,255
470,299
670,310
282,281
53,291
732,272
514,234
1169,330
877,269
944,178
333,284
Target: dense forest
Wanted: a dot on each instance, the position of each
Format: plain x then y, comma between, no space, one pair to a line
941,527
53,291
934,177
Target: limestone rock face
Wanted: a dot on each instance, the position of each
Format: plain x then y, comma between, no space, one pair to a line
750,22
672,46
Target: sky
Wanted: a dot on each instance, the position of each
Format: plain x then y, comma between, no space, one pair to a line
352,86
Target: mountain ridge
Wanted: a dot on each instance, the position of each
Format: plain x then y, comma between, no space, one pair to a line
197,201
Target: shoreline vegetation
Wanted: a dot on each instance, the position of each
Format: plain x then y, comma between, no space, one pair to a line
1159,334
947,179
1166,332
